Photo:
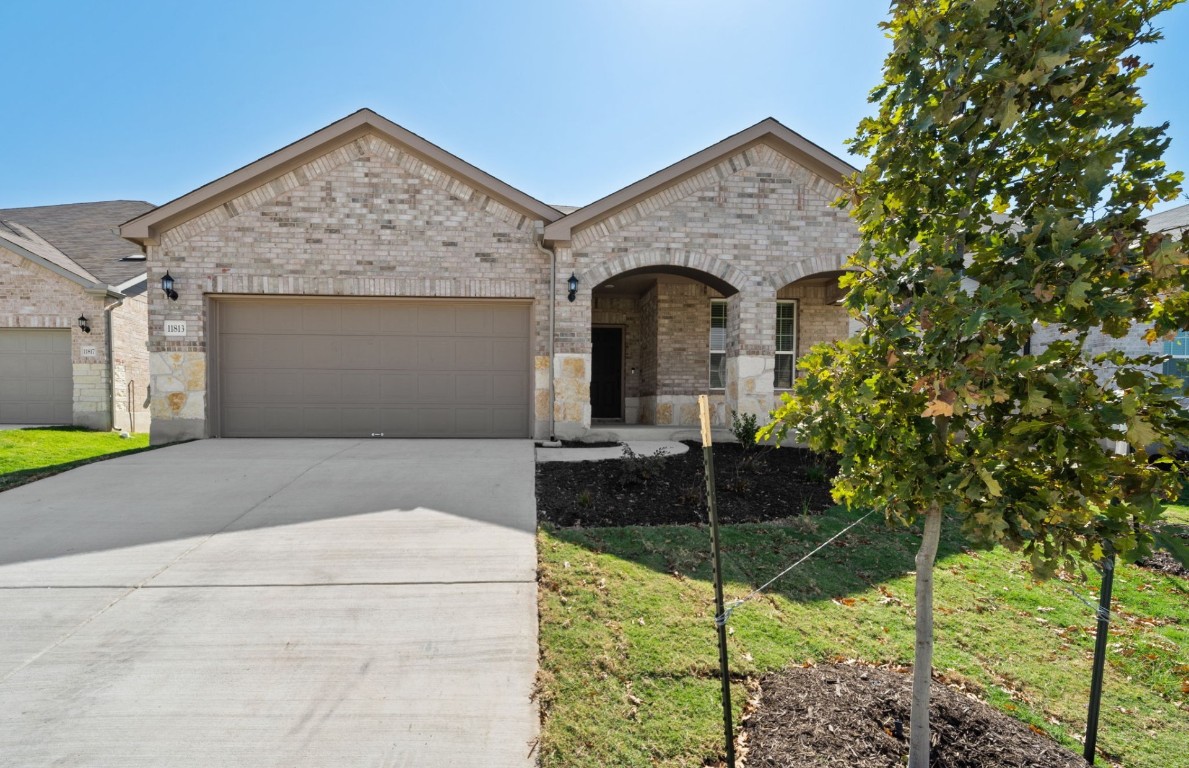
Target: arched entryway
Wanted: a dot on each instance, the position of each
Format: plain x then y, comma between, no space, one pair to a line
658,340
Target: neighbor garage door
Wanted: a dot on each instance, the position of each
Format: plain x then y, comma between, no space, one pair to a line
363,367
36,383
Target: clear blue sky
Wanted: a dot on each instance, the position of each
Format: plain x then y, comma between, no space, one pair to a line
567,100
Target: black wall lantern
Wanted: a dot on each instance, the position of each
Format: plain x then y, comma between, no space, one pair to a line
84,324
167,286
573,284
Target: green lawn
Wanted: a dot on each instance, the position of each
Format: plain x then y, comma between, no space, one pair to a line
629,660
31,454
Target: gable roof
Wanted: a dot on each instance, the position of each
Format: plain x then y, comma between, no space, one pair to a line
768,131
146,227
85,233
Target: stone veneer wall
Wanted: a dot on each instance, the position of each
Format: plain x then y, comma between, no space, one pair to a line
35,297
756,220
365,219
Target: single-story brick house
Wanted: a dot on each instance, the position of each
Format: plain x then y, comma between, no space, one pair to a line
73,317
363,281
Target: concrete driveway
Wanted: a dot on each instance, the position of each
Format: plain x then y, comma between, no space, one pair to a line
273,603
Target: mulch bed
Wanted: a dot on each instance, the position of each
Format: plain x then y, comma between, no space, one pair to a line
1162,562
857,716
752,485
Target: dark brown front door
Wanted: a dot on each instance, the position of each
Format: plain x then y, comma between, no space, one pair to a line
606,373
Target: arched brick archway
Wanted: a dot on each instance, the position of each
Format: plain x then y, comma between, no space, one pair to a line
723,273
797,270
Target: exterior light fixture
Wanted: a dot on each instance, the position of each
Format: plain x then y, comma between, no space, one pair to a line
84,323
167,286
573,285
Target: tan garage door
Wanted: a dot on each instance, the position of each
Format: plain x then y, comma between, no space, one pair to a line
36,382
363,367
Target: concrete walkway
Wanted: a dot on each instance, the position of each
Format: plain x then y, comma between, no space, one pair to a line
639,447
273,603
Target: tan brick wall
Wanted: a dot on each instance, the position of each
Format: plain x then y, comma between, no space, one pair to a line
366,219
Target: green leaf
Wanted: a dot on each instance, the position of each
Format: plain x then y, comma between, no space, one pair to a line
990,482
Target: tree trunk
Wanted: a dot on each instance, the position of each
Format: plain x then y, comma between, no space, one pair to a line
922,666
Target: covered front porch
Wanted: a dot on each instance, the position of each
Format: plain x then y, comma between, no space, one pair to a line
662,336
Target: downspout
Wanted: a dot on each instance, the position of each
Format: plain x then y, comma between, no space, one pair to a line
552,254
111,365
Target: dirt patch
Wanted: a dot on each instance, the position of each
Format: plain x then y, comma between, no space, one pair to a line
857,716
752,485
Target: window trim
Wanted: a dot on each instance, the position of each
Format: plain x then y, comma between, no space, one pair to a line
796,305
712,350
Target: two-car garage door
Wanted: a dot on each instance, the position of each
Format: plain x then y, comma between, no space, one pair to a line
292,367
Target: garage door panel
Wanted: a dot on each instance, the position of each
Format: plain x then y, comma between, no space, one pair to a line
435,388
473,354
476,388
36,376
399,319
360,318
509,322
472,321
361,387
436,421
398,353
321,317
362,367
359,351
398,421
508,388
321,387
398,387
509,355
435,321
435,354
473,421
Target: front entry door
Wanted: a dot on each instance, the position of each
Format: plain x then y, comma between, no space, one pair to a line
606,373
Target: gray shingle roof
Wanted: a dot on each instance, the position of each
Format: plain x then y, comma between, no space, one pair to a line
88,233
1173,219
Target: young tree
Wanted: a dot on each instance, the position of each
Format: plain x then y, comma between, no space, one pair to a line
1004,193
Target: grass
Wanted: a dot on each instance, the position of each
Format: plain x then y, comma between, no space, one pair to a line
31,454
629,662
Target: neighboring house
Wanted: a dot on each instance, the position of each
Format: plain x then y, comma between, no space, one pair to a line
362,281
1174,221
73,317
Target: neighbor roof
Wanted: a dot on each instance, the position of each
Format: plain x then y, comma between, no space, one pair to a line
1171,220
767,131
146,227
87,233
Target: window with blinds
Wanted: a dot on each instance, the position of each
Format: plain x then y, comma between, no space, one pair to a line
718,344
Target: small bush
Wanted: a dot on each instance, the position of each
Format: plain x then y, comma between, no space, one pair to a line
745,427
635,469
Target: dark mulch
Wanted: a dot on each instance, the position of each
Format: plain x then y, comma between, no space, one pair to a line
752,485
857,716
1162,562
